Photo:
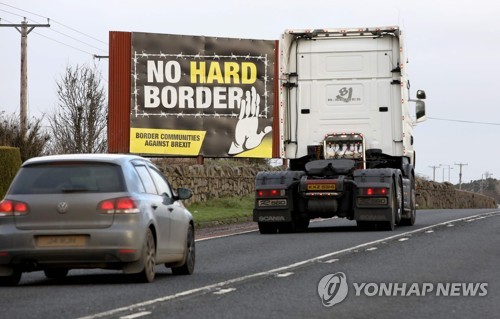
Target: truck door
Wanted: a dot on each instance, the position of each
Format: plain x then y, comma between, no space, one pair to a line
344,85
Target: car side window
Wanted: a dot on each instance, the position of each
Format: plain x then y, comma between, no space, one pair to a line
146,179
161,183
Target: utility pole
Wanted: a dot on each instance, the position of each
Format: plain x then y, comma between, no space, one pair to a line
449,169
460,174
434,172
24,28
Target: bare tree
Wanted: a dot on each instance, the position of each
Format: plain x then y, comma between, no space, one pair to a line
79,123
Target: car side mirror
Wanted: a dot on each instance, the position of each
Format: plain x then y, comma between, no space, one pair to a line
184,193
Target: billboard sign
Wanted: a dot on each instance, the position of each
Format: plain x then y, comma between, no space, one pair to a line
195,95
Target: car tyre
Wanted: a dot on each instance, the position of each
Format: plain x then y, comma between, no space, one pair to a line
11,280
148,259
189,257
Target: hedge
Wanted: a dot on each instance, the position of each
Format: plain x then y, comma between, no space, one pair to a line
10,161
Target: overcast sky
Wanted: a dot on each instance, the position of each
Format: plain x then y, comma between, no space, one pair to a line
453,48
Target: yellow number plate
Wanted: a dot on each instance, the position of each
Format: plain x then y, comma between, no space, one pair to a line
61,241
321,187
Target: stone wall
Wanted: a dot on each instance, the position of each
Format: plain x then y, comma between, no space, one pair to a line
211,181
432,195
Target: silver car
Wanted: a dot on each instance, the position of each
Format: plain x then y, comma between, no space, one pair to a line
93,211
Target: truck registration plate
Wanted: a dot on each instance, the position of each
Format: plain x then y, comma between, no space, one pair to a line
321,187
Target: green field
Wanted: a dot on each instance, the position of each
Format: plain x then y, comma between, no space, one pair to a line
222,210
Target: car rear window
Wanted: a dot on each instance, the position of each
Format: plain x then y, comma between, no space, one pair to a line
68,177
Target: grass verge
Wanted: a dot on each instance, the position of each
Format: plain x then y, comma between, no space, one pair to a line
222,210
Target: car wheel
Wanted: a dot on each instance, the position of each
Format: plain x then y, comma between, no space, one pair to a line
189,257
56,273
11,280
148,259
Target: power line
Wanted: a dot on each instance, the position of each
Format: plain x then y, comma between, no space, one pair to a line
65,44
463,121
57,22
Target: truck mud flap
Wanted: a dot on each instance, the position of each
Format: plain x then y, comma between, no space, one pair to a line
373,215
272,216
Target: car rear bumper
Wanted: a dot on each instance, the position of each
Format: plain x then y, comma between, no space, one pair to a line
102,248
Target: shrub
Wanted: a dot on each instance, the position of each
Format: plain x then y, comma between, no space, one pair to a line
10,157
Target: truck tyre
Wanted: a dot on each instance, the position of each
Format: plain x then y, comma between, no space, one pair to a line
399,202
365,225
302,224
389,225
413,206
11,280
56,273
268,228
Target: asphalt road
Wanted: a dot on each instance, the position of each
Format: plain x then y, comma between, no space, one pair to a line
426,269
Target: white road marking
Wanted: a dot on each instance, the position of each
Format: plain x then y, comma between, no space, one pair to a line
136,315
284,275
253,230
227,235
273,272
224,291
451,225
330,261
403,239
429,231
372,249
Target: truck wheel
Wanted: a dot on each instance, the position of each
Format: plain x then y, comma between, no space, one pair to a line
288,227
399,202
11,280
268,228
56,273
302,224
413,207
389,225
365,225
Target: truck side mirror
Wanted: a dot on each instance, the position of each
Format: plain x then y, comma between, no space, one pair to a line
421,94
420,111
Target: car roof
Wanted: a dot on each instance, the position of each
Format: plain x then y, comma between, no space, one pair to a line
107,158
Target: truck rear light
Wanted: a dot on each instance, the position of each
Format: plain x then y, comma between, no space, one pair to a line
374,191
122,205
271,193
13,208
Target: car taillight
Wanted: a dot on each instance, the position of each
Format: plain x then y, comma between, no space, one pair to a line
122,205
270,192
11,207
125,203
374,191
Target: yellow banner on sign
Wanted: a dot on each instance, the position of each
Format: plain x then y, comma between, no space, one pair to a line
167,142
